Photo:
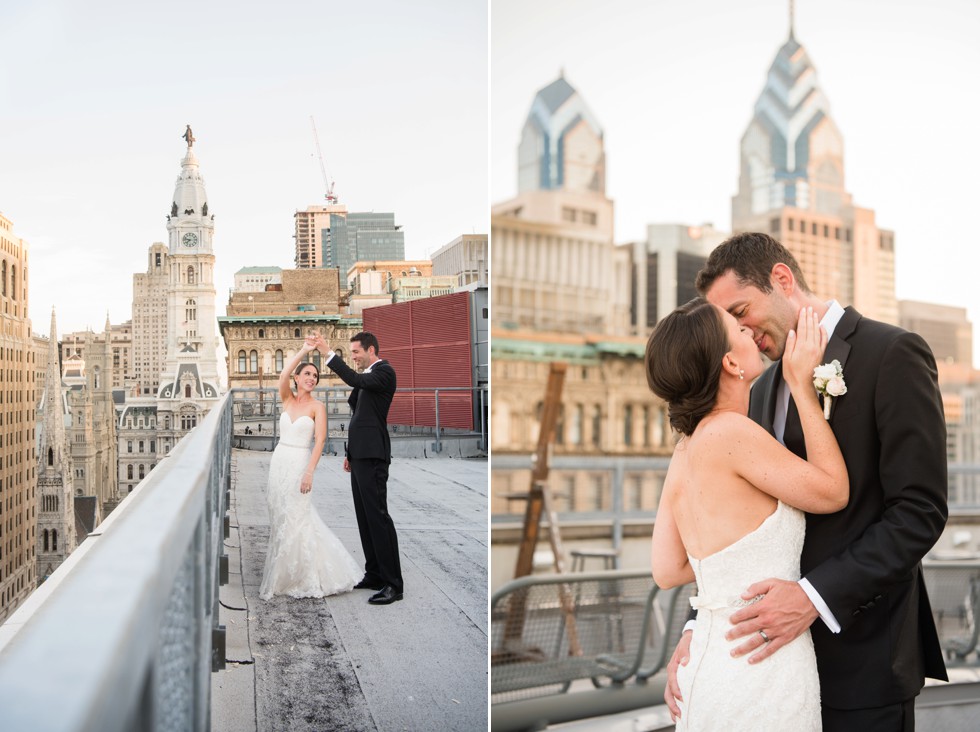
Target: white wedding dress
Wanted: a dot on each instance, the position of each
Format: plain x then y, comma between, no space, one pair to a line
305,558
721,692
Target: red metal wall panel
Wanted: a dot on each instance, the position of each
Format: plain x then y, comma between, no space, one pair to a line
428,344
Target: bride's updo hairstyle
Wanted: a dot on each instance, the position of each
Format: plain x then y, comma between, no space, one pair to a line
683,359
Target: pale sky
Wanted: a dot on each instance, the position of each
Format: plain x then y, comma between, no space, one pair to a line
95,97
673,85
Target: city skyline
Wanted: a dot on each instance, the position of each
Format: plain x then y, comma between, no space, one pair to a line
673,87
95,117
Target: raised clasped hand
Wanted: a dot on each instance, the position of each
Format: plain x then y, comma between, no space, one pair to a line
804,349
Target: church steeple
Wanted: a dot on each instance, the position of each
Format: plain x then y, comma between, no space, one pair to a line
53,442
55,476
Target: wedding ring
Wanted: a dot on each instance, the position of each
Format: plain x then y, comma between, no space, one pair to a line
764,636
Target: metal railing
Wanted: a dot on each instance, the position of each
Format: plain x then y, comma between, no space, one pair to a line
124,635
260,409
550,630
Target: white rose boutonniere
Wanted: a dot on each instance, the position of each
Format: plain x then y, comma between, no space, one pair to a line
828,379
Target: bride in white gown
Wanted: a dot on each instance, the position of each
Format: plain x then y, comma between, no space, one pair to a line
305,558
731,510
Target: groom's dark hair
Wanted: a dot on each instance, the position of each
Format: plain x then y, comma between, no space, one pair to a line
683,362
751,257
367,340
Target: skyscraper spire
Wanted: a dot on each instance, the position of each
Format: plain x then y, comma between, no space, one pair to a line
792,19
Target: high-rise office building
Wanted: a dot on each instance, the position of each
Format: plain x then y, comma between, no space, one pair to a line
18,458
664,269
311,226
791,185
945,328
555,267
466,257
357,237
149,332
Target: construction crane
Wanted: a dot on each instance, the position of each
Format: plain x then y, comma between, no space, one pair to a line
327,184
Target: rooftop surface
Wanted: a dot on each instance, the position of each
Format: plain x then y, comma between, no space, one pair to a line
338,663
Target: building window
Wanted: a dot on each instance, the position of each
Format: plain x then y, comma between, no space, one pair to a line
153,445
54,540
261,332
296,333
50,456
279,365
253,361
187,391
190,276
596,425
129,445
46,540
142,471
129,472
142,446
628,425
242,368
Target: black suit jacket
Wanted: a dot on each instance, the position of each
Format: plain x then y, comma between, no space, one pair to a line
369,401
865,560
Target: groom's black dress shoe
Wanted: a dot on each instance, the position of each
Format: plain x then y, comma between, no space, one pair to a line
366,584
387,596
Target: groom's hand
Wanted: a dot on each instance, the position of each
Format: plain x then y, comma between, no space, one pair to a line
346,465
784,613
672,694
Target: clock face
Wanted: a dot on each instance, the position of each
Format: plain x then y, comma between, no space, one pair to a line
190,240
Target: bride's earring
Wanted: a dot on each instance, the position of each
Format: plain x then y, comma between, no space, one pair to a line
741,374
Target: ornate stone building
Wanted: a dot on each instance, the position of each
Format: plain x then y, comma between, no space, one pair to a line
55,486
18,456
263,329
121,337
606,409
174,333
92,432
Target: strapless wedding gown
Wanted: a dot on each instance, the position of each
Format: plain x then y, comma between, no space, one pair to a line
305,558
721,692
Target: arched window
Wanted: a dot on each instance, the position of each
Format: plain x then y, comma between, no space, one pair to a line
54,540
628,425
13,281
187,391
279,361
190,276
129,472
96,374
190,310
4,278
261,332
50,456
166,423
253,361
242,368
142,471
296,333
46,540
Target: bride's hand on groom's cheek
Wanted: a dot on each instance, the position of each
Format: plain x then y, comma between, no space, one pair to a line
783,614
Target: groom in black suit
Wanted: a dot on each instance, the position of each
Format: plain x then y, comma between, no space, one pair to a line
875,639
368,457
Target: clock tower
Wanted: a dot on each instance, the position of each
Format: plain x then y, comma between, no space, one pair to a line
189,381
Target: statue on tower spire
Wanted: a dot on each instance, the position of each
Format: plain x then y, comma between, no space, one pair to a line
189,136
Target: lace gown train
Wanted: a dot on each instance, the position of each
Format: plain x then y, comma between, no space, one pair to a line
305,558
721,692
